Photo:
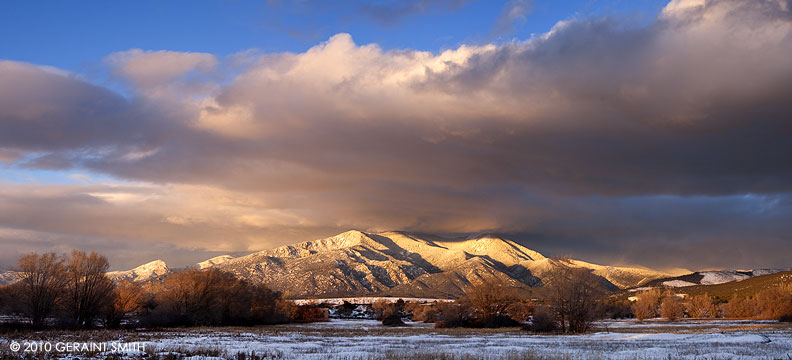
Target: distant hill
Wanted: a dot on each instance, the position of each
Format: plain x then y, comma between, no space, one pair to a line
743,288
725,291
712,277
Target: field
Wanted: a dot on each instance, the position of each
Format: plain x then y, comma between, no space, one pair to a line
367,339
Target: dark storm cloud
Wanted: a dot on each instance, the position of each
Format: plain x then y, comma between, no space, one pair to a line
598,135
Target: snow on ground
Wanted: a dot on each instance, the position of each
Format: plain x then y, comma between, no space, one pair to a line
368,300
367,339
678,283
720,277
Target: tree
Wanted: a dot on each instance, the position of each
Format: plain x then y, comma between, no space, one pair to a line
774,303
490,302
542,320
647,304
521,311
456,314
672,307
42,281
215,297
702,306
89,290
574,295
742,308
127,298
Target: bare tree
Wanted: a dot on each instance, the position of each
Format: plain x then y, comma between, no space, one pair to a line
42,281
490,301
127,298
574,295
742,308
647,304
672,307
89,289
701,306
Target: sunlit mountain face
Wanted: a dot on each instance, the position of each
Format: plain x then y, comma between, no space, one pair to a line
651,133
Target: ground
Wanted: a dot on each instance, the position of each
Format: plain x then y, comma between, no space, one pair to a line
367,339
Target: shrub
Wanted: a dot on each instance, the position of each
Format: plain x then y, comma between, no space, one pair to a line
302,313
542,320
423,312
394,319
456,314
383,309
520,311
616,309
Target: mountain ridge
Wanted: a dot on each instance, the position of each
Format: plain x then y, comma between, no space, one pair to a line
398,263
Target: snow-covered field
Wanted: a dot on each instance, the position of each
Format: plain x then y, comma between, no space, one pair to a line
367,339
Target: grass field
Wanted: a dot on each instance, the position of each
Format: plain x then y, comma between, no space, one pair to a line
364,339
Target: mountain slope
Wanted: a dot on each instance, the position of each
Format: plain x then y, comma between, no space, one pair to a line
713,277
8,277
147,271
355,263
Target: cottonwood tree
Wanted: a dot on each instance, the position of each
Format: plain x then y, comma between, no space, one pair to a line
647,304
774,303
127,298
702,306
89,289
42,282
573,297
214,297
490,301
672,307
742,308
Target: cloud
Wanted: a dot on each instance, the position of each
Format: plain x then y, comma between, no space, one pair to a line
512,13
152,69
564,138
390,12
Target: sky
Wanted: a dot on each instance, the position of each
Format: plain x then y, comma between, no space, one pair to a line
620,132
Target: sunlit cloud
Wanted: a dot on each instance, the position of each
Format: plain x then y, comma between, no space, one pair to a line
598,135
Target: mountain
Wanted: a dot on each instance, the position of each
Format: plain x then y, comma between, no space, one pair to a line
355,263
217,260
8,277
147,271
714,277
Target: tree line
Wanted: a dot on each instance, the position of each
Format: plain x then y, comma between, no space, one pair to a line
573,298
773,303
74,291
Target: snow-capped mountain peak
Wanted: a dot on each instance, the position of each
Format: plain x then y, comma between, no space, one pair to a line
143,272
217,260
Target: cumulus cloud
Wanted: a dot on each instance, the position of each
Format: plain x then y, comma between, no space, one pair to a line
562,138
